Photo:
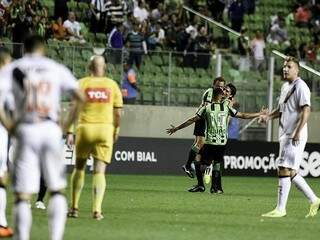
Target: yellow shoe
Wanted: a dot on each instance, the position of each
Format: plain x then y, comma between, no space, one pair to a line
275,214
314,207
207,174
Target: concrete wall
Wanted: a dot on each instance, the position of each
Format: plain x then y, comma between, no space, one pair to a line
151,121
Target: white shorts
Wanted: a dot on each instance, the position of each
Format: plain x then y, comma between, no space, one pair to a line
38,149
3,151
290,156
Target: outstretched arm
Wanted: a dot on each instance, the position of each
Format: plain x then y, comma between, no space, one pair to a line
251,115
185,124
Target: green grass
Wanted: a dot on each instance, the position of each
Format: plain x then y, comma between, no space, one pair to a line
159,207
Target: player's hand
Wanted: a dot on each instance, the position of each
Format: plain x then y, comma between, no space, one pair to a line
296,139
70,141
171,130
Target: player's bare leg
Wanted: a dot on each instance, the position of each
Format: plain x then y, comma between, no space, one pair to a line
98,188
77,182
22,216
5,231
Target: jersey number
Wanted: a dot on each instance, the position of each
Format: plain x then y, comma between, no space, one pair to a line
38,98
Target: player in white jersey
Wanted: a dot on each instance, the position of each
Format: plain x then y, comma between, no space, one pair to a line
37,83
5,231
293,111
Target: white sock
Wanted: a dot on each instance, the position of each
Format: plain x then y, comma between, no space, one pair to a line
57,210
283,192
3,205
303,186
23,220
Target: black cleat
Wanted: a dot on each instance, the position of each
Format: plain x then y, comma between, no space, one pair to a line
197,188
188,171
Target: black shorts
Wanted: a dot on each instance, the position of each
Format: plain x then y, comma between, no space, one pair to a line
212,153
199,128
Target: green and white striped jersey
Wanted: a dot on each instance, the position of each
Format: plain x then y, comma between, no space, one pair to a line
216,119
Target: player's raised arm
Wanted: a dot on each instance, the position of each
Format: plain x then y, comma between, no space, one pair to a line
185,124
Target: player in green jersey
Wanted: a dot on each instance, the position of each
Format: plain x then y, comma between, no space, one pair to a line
199,127
215,116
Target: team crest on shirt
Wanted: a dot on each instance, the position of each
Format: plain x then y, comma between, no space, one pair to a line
95,95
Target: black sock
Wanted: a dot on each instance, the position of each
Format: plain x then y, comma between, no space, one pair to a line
43,190
199,174
191,158
216,180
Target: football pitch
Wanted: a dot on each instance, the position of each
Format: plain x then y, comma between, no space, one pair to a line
159,207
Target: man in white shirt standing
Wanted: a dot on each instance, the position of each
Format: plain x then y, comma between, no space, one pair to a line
37,84
293,111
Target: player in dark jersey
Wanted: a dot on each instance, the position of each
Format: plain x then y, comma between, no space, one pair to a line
215,115
199,127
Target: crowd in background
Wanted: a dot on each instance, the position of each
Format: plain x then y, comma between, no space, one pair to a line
142,25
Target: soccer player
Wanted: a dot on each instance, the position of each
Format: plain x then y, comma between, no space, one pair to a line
199,127
5,231
215,116
98,129
293,111
37,84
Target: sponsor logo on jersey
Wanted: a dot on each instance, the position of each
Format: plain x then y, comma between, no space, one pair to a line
95,95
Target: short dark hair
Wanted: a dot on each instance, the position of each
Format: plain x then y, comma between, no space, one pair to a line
233,89
33,42
4,53
217,91
292,59
218,79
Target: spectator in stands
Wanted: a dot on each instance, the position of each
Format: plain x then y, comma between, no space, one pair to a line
116,12
128,24
189,51
243,50
73,29
156,36
216,8
60,9
129,85
4,14
21,26
173,28
278,33
140,12
59,31
34,8
292,49
202,48
236,14
158,12
258,51
136,45
115,44
303,16
41,26
98,16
